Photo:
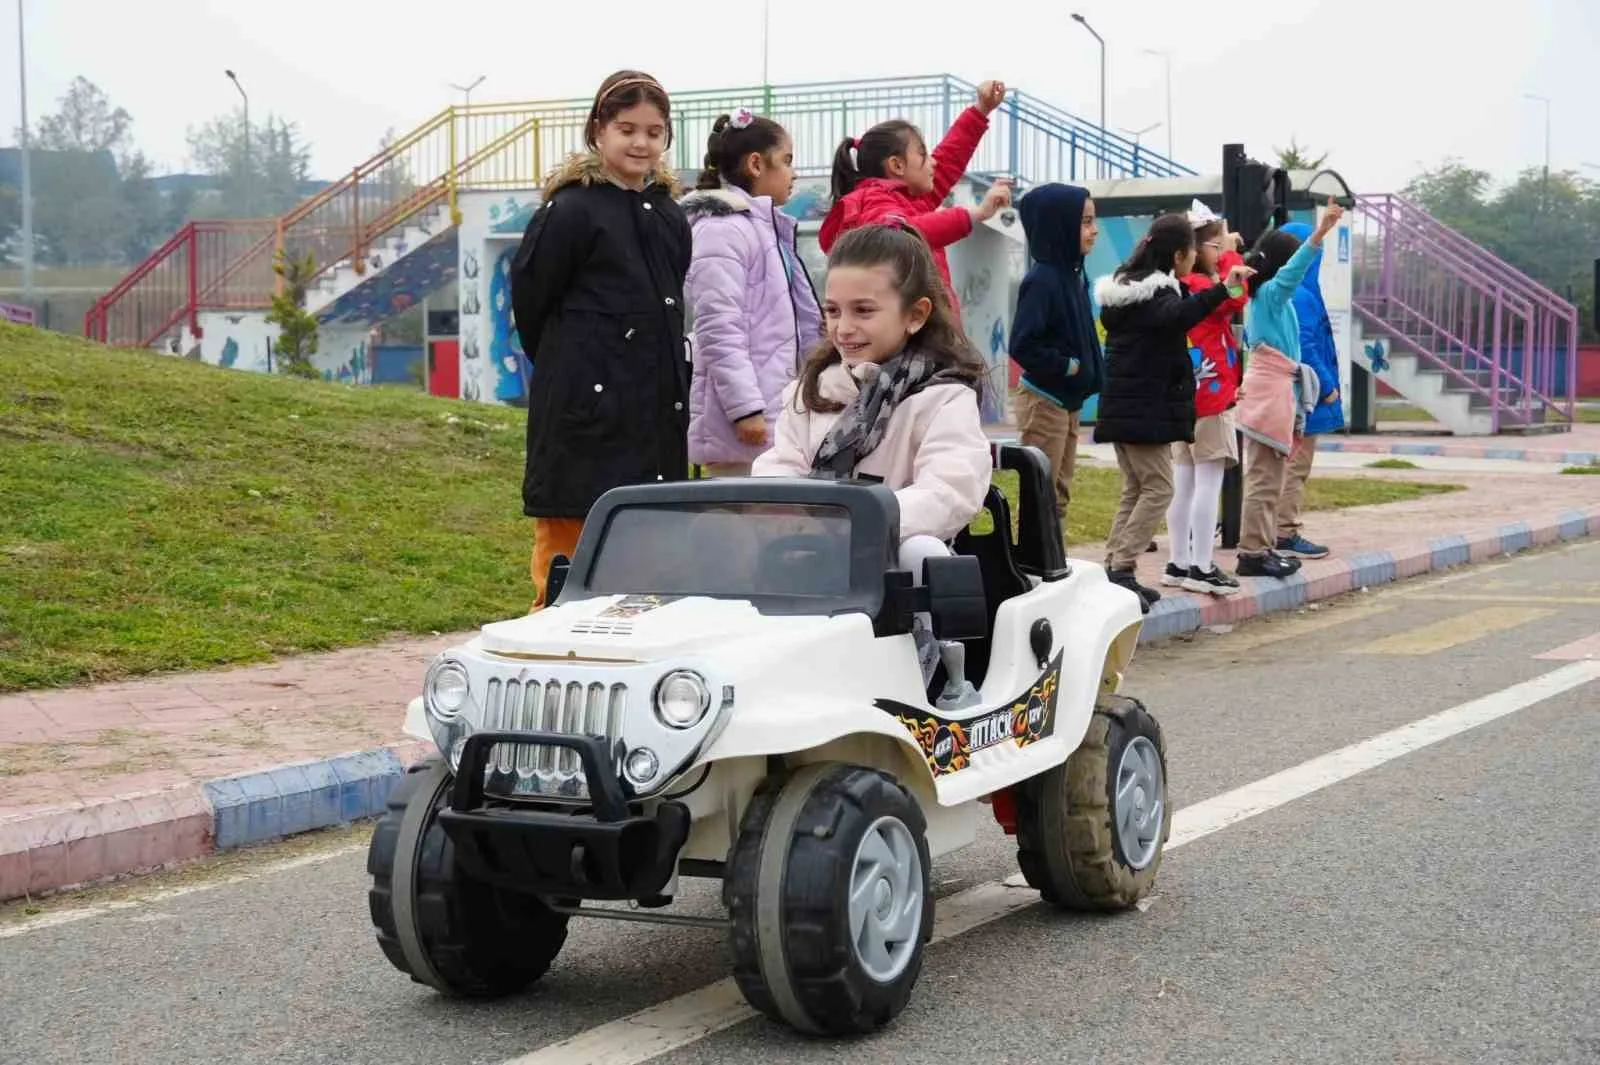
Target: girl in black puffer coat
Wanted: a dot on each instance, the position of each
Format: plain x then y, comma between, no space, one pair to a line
1147,401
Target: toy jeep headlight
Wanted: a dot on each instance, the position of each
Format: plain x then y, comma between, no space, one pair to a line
682,699
446,688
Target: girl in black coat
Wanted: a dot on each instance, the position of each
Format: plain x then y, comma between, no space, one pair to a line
1147,401
597,294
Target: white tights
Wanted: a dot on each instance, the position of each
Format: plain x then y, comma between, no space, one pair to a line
1192,516
913,551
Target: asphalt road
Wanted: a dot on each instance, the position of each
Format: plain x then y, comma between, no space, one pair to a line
1438,907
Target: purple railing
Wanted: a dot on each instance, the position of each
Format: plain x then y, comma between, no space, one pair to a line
1490,328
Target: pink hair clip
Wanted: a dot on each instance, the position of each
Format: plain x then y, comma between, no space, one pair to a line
742,118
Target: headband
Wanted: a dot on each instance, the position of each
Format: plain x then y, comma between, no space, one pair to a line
624,83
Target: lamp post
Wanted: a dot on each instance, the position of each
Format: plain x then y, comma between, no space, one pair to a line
1136,134
27,164
1166,59
1085,24
249,177
1546,101
466,91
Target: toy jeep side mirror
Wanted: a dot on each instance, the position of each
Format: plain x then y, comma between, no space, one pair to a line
955,597
560,566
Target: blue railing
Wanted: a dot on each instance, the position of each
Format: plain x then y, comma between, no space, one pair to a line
1029,139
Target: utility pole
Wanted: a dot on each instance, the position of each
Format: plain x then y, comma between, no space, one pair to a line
466,114
1546,101
27,164
766,38
1166,58
1085,24
249,174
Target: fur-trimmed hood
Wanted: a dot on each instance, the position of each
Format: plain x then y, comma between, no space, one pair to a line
585,168
714,203
1111,292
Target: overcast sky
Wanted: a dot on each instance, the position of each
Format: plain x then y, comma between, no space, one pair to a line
1383,87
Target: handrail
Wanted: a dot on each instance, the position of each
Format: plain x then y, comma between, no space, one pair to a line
354,212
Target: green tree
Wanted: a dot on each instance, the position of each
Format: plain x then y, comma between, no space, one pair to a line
297,328
1547,228
261,183
1298,157
93,199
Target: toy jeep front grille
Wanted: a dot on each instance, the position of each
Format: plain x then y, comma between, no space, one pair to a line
571,708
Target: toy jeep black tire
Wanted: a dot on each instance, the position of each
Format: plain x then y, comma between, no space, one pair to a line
1081,845
466,938
804,892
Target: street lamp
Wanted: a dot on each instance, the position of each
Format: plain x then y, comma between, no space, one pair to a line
249,178
1166,58
27,164
1546,101
1136,134
1085,24
466,114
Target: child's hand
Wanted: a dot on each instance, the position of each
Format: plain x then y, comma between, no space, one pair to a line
1330,219
1238,275
991,94
1333,397
751,431
1234,239
998,196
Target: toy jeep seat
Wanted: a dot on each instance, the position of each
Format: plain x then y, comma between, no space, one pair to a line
1007,567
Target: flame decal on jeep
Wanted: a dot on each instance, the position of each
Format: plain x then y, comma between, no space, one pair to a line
949,744
631,606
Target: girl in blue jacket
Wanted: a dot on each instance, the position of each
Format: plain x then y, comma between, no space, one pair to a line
1281,262
1317,349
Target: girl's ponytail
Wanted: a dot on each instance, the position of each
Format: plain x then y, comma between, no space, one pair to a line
873,150
710,176
845,174
1168,235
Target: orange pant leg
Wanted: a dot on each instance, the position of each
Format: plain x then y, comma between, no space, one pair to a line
551,537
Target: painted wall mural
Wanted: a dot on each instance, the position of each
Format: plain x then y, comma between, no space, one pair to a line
243,341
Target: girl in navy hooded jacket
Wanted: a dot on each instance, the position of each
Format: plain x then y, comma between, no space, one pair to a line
1053,336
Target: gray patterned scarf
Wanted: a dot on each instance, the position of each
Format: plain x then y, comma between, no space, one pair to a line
862,424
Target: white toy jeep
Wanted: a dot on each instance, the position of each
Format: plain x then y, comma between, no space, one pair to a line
727,686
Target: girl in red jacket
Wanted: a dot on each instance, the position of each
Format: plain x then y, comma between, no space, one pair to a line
888,171
1197,468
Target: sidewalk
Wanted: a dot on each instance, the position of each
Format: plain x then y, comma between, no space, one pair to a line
1580,447
121,778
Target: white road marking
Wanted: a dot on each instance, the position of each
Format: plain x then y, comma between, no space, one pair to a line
691,1017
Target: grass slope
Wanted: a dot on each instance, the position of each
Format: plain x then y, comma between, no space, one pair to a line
158,514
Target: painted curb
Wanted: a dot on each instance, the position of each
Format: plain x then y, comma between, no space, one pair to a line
1459,451
63,848
1335,442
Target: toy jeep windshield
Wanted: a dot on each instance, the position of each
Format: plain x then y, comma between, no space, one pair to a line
726,685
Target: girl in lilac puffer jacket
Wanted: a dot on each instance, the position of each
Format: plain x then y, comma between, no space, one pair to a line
755,313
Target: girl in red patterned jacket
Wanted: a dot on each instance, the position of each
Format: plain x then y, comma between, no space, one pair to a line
888,172
1197,468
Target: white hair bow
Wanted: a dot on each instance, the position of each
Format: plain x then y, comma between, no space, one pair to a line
1201,215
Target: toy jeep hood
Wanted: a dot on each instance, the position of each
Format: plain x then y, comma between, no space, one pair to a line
627,628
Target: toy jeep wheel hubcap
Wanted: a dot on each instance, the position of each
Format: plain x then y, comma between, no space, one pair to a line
885,899
1140,801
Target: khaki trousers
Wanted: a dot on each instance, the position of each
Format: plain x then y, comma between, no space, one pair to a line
1294,487
1146,492
1265,473
1053,430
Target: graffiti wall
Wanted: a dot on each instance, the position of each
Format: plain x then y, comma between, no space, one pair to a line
243,341
493,369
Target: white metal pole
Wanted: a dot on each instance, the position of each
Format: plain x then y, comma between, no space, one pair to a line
27,163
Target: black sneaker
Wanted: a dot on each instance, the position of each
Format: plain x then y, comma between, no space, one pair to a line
1124,578
1174,575
1267,565
1215,582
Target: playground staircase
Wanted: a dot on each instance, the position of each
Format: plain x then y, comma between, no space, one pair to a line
400,206
1476,343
